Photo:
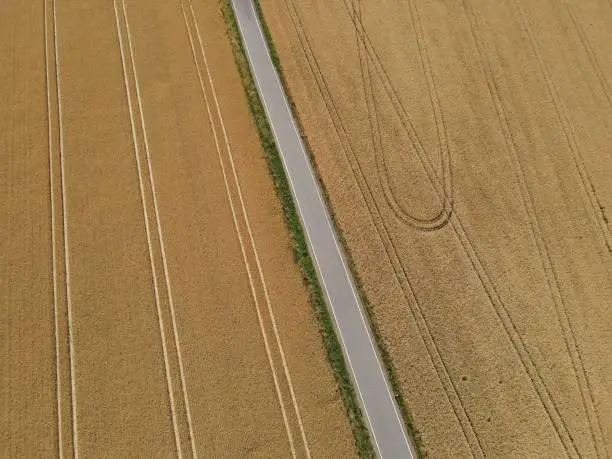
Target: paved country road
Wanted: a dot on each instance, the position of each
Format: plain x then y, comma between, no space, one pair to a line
383,418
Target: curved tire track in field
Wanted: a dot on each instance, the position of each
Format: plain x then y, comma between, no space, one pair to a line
517,341
432,348
539,385
445,190
448,385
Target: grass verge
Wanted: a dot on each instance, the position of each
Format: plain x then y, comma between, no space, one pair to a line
300,248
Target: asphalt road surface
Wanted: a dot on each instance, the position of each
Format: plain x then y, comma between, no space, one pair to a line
383,418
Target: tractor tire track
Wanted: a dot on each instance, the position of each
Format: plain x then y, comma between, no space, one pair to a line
188,11
589,50
526,358
440,219
64,376
562,314
162,245
501,311
63,318
598,208
448,385
391,252
177,396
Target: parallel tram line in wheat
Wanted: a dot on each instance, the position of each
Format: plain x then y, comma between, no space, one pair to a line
62,166
589,50
162,244
567,126
251,237
240,238
596,206
160,319
570,338
54,267
528,202
516,339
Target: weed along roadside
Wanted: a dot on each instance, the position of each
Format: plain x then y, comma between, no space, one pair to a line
291,217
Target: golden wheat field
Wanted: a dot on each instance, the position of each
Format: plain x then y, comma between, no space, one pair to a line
149,302
466,148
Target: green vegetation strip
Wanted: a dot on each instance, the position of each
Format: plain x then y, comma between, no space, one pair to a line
300,248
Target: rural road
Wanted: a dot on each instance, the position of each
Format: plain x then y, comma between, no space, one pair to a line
384,421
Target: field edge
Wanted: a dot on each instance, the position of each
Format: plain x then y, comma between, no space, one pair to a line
301,255
300,249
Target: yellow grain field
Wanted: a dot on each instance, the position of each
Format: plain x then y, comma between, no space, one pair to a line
149,302
466,150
